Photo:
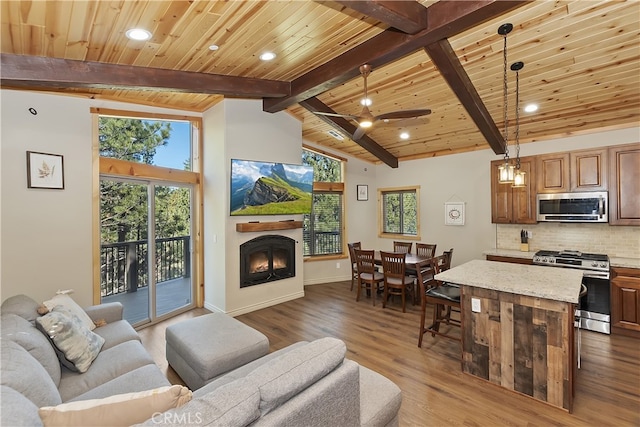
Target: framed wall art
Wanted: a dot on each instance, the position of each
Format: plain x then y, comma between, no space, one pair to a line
454,213
363,192
45,170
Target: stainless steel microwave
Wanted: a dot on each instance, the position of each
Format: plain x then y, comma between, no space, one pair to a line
573,207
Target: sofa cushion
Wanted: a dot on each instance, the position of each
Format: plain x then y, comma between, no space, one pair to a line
67,302
116,333
17,410
234,405
75,345
117,410
109,364
22,306
380,399
145,378
22,332
296,370
23,373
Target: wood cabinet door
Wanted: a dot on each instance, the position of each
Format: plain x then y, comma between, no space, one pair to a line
624,185
524,199
625,302
500,197
552,173
588,170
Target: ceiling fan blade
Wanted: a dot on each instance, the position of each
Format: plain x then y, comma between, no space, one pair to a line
359,133
346,116
403,114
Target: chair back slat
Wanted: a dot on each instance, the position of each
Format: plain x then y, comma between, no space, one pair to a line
403,247
352,247
365,261
393,264
425,250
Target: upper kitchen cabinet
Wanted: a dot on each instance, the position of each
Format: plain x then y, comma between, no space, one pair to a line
584,170
511,205
553,173
624,184
588,170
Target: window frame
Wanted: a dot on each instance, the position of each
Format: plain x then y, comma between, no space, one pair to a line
331,188
398,190
116,168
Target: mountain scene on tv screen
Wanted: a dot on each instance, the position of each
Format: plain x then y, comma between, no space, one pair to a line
259,188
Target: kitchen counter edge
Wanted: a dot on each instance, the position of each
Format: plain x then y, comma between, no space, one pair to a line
615,261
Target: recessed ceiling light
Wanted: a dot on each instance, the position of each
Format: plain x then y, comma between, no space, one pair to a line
404,135
267,56
138,34
530,108
214,47
365,101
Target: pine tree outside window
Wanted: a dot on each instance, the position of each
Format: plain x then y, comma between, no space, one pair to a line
323,228
399,212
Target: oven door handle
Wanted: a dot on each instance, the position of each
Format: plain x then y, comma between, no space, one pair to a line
596,274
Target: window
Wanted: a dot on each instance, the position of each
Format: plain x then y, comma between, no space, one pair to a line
399,212
323,227
148,217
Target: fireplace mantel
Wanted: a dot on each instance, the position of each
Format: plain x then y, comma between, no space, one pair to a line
244,227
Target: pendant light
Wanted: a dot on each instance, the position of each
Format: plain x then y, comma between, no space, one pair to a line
506,170
519,175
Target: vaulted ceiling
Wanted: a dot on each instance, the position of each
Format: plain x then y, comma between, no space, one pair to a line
582,63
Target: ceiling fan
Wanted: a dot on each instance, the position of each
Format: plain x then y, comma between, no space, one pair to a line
365,119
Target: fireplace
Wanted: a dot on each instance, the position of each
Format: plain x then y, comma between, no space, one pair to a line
266,259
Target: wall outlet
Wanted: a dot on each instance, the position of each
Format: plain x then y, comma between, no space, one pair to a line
337,265
475,305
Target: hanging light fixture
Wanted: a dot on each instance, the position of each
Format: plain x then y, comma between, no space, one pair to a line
519,175
506,170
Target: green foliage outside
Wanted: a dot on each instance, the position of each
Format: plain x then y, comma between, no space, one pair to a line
124,206
322,229
400,212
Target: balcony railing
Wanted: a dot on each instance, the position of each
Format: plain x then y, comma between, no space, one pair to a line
124,265
322,242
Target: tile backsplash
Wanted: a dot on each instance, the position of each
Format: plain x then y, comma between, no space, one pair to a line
615,241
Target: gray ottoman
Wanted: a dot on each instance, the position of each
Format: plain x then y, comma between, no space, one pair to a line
205,347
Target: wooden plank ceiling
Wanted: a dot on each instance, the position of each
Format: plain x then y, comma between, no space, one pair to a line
582,63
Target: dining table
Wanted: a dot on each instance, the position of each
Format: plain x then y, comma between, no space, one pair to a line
410,260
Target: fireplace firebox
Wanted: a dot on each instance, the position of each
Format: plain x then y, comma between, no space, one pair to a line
266,259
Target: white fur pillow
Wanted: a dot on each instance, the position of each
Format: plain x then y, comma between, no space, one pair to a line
119,410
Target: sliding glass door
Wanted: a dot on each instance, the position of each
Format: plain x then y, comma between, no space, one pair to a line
146,265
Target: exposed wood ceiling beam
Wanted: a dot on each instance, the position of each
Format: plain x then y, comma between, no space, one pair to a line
407,16
366,142
23,71
447,62
445,18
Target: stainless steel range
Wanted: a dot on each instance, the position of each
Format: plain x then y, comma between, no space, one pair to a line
594,309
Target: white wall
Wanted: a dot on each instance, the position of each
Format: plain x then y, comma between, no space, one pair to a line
239,129
47,234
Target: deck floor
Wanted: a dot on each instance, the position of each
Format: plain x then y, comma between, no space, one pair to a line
170,295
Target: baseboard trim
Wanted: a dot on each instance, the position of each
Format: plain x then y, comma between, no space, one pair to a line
254,307
323,280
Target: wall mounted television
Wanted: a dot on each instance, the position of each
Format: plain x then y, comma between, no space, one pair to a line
267,188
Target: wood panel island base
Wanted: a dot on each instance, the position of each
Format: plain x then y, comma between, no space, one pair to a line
517,327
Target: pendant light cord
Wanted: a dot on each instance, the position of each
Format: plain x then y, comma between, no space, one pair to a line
505,97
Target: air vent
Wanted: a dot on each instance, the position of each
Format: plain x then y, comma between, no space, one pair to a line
336,135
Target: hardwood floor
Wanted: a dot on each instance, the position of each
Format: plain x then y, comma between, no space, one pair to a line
434,390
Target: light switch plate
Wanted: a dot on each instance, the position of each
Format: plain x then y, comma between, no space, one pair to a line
475,305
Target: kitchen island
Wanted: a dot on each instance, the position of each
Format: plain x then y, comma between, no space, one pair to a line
517,326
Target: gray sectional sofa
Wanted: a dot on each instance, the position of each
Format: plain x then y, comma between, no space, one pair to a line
303,384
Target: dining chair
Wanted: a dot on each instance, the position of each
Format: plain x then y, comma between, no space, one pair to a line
402,247
352,258
443,296
368,275
396,282
426,250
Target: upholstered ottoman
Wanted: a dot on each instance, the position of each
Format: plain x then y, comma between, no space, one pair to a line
205,347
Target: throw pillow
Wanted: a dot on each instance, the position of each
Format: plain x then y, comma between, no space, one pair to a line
119,410
67,302
75,345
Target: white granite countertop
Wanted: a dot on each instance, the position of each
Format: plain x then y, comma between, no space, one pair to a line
558,284
625,262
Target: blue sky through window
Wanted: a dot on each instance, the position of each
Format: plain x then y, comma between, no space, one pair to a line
177,151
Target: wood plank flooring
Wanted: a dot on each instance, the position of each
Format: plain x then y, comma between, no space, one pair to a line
434,390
